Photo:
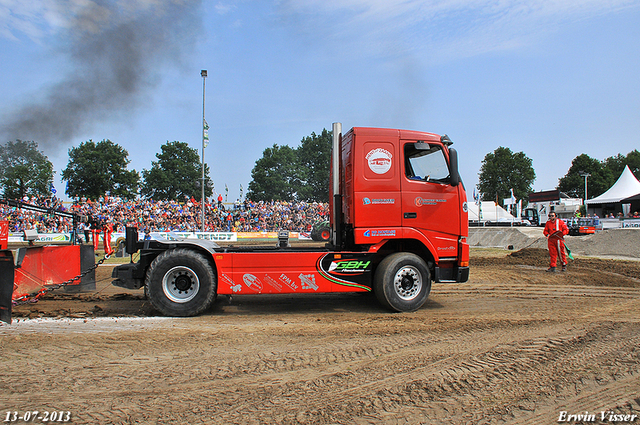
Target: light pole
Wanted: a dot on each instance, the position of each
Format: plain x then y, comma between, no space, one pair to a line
586,176
203,73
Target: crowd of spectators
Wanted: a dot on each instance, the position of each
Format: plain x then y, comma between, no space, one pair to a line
158,216
162,216
23,219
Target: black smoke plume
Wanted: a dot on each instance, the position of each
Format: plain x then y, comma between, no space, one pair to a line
117,50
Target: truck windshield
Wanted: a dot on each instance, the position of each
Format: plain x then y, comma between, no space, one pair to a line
426,165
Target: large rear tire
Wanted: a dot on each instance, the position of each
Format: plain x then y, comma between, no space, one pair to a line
181,282
321,231
402,282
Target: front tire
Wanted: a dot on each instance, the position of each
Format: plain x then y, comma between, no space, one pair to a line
402,282
181,282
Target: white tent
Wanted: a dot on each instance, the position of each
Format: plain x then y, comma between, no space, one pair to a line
627,186
490,212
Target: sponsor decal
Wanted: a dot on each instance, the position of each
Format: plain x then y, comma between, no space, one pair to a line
273,283
288,281
56,238
252,282
424,201
308,281
353,272
446,248
217,236
379,233
349,266
212,236
465,207
630,223
381,201
379,160
226,279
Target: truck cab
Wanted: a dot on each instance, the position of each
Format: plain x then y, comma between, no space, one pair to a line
401,190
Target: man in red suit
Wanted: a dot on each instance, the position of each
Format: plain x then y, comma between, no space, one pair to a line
554,230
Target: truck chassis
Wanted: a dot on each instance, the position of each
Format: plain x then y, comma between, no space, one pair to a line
183,278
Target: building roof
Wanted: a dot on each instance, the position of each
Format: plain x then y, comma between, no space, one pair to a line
490,212
547,195
627,186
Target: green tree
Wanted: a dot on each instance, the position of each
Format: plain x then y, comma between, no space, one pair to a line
633,161
176,175
302,174
616,164
600,178
313,159
503,170
97,169
24,170
273,176
602,174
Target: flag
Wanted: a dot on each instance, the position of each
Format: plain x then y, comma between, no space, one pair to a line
240,191
53,189
205,134
520,208
226,192
566,248
513,197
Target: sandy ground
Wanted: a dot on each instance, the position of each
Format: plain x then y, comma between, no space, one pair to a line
513,345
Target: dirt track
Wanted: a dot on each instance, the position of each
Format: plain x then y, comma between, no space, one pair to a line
514,345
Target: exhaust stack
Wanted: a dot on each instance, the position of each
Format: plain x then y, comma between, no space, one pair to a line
336,213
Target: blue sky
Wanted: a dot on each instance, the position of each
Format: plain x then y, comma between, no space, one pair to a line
553,79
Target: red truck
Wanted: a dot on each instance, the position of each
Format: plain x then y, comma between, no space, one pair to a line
398,222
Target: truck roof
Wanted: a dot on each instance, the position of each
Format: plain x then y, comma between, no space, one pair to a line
391,132
547,195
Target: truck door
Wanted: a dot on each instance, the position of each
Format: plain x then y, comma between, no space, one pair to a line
430,203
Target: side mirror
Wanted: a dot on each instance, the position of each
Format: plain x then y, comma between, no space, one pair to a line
453,167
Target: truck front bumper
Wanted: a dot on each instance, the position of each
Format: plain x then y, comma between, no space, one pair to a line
451,274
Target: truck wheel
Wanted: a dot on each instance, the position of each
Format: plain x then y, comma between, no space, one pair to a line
181,282
402,282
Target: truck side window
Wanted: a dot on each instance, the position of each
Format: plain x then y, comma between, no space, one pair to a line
426,164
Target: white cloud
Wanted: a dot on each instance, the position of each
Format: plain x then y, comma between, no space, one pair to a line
445,27
39,19
28,18
224,8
